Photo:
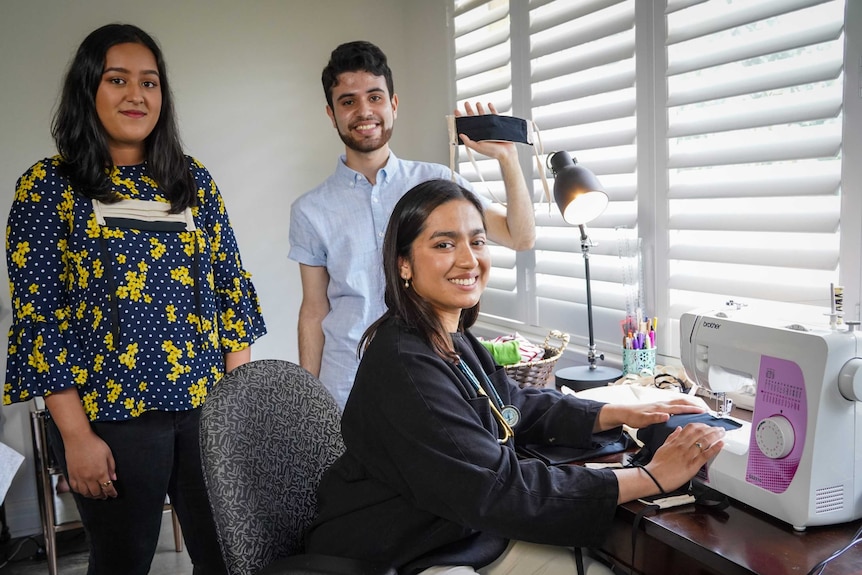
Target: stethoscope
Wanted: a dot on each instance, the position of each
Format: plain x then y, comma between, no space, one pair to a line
507,415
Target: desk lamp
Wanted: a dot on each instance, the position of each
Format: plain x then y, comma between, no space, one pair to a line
581,199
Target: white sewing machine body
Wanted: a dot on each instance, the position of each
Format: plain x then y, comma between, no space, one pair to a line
800,458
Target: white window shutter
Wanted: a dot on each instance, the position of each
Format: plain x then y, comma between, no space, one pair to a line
754,136
727,135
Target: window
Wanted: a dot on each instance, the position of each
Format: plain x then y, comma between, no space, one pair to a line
717,129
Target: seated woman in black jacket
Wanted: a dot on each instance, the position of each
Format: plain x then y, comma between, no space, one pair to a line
430,479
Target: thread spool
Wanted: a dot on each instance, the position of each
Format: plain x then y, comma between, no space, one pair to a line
838,303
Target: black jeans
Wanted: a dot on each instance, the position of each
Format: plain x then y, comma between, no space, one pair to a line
155,454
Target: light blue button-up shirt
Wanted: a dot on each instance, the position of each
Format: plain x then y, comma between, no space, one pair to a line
340,225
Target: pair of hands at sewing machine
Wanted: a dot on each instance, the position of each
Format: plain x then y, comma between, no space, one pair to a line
681,456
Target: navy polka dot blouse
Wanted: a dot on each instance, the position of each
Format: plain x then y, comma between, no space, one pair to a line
138,318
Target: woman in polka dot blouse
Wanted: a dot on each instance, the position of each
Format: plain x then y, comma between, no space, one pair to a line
130,302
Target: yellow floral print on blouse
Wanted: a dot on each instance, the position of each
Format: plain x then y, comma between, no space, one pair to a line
136,319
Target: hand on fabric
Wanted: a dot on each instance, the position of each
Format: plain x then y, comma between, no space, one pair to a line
642,415
498,150
90,467
660,411
684,452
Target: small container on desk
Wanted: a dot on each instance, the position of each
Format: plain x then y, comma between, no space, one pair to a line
639,361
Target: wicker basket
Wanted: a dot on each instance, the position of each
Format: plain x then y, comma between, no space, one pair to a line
537,373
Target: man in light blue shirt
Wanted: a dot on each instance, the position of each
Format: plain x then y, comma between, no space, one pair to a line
336,229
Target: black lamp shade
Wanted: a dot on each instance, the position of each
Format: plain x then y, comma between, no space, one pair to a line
577,191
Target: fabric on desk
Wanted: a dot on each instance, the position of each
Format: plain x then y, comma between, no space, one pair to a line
654,436
606,443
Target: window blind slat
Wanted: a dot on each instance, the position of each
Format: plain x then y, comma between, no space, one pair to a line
740,288
583,114
689,61
624,136
486,61
479,42
825,223
567,37
794,147
754,81
572,266
789,186
563,13
501,280
612,218
498,302
489,15
569,292
675,5
478,86
804,259
462,7
552,68
705,19
610,82
756,113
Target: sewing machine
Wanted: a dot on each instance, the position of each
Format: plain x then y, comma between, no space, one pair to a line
800,458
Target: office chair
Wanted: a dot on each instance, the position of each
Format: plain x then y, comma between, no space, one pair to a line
269,429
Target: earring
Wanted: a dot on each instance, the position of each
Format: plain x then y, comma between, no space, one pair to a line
406,283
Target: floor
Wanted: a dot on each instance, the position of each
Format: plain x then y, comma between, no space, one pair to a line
72,555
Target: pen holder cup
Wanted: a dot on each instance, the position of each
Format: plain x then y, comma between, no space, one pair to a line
639,361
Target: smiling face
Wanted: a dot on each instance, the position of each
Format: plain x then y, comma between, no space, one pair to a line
129,100
449,261
362,111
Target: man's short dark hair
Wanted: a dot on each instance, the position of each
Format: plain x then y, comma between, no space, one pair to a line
355,57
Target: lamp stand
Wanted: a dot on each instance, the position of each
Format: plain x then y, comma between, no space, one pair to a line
582,377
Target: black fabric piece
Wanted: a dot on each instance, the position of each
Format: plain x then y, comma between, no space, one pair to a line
708,497
492,127
133,224
616,442
653,436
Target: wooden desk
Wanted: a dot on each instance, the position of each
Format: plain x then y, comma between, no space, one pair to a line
737,540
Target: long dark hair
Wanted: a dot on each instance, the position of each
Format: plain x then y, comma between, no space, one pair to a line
81,139
406,223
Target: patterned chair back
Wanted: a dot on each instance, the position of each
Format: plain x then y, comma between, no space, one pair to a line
268,431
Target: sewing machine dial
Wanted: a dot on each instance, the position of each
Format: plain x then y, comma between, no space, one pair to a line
774,436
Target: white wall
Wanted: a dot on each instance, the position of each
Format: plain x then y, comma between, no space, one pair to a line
246,76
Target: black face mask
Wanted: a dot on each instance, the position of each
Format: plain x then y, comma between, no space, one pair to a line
493,127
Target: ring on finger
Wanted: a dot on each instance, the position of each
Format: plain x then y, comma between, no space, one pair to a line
699,445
